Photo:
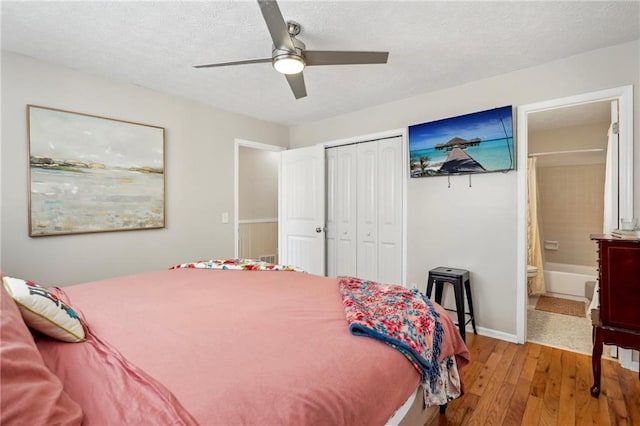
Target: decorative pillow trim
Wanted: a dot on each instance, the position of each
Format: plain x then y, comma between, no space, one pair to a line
36,317
44,311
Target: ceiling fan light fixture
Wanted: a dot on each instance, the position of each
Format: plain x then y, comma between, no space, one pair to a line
288,64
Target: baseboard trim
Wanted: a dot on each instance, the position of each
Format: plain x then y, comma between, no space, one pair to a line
625,357
489,332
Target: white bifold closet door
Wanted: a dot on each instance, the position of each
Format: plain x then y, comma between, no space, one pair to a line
341,211
390,215
364,235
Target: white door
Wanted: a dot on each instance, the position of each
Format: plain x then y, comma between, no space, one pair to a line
368,171
365,210
390,210
331,156
302,209
346,210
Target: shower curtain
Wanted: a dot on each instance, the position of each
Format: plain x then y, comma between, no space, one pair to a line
607,217
535,285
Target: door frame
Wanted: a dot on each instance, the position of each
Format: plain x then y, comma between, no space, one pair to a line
236,183
624,95
402,133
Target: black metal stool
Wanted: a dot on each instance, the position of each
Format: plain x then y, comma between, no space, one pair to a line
459,278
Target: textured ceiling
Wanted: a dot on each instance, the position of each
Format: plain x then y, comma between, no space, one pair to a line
432,45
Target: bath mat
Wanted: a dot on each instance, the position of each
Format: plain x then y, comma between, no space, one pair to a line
561,306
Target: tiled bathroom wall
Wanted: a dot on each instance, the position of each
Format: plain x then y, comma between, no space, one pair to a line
571,208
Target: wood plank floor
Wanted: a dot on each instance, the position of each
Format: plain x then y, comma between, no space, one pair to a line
531,384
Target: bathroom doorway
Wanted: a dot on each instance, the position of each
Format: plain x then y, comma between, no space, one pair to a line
623,171
566,169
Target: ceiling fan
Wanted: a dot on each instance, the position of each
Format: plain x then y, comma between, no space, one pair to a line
289,55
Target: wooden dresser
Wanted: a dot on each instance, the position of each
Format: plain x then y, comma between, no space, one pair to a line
619,312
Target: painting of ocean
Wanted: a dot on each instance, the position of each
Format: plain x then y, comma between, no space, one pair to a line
474,143
91,174
65,201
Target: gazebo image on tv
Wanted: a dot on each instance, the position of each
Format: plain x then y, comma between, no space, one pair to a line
473,143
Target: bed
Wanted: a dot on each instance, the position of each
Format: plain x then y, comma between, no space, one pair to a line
215,345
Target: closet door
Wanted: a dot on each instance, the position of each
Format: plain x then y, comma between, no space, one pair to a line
364,210
330,167
346,242
367,196
389,175
341,210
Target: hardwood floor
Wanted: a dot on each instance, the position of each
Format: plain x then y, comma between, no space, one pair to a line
531,384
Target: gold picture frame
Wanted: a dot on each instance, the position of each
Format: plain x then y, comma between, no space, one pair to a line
93,174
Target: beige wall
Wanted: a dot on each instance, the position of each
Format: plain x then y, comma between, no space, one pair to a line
475,227
258,184
571,208
591,136
199,176
258,201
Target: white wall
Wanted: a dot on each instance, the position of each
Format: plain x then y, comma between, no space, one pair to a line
199,176
475,227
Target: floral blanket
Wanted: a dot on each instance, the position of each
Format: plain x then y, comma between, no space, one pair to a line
402,318
237,264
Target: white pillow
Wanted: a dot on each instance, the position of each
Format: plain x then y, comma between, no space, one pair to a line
44,311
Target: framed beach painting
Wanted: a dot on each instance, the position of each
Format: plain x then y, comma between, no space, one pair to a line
480,142
93,174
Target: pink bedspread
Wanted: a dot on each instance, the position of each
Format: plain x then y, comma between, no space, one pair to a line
240,347
108,387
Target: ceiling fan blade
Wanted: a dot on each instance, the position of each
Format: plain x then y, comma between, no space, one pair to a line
329,57
278,28
296,82
224,64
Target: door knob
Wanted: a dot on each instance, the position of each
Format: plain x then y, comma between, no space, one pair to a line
318,229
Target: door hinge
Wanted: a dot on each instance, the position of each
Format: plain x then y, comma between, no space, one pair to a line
614,128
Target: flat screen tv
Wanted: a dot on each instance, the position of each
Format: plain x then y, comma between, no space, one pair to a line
480,142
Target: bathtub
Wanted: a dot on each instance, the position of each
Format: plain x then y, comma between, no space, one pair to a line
568,279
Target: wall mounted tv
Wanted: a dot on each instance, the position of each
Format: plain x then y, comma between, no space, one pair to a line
480,142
